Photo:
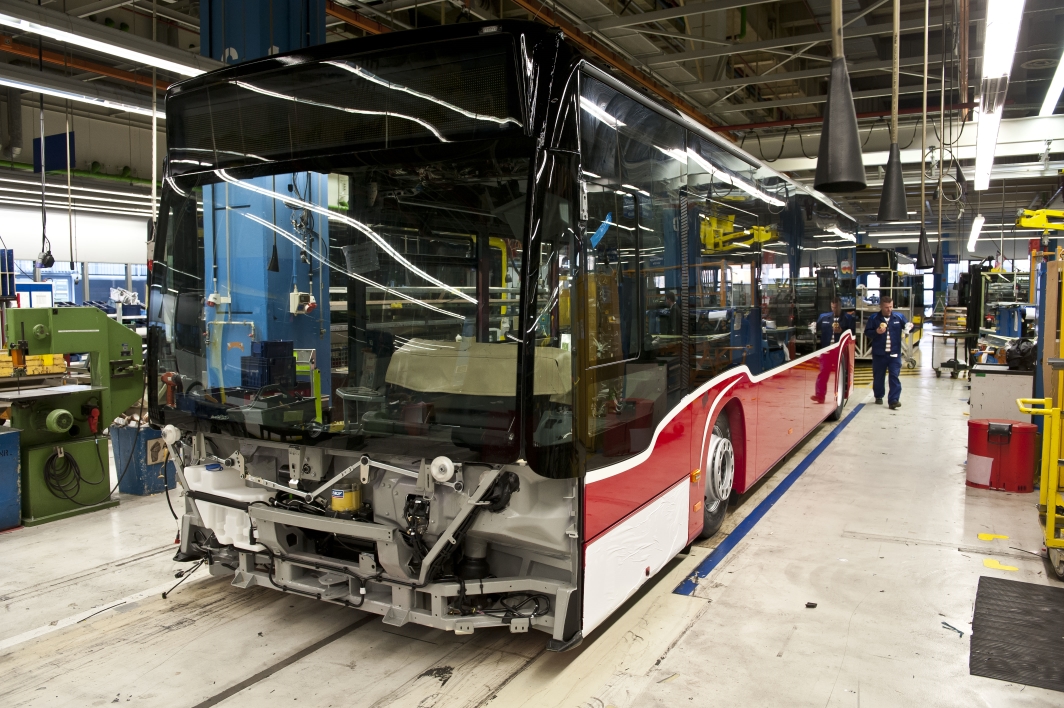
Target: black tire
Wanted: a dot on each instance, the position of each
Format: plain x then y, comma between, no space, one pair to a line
714,509
842,390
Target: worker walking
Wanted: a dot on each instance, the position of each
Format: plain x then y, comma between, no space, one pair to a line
828,329
884,330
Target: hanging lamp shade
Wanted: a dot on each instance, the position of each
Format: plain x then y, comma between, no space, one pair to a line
838,166
892,206
273,266
924,261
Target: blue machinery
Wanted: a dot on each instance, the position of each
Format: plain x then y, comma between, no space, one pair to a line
259,241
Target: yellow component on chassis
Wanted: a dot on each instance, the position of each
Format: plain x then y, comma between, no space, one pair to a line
1049,496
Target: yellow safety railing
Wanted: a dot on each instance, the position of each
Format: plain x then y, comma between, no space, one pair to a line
1049,496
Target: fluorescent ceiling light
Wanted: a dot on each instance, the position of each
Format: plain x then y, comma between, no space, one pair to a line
1056,86
62,206
77,97
97,45
977,226
1003,19
985,146
37,185
843,235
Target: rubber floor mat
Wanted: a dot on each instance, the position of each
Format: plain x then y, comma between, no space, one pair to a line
1018,633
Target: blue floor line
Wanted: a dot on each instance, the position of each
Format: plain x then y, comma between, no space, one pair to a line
687,587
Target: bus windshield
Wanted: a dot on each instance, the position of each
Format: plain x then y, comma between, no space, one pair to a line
373,306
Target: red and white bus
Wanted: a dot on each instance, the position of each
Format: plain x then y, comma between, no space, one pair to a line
453,326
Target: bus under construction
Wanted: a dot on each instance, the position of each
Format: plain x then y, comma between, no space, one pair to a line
452,326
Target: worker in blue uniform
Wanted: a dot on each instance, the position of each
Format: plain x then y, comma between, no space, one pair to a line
884,331
828,330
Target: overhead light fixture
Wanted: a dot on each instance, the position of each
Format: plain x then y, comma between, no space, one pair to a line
839,167
22,24
76,97
892,205
999,48
924,259
977,226
1056,86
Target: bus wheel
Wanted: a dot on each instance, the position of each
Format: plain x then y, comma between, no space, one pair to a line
842,388
720,474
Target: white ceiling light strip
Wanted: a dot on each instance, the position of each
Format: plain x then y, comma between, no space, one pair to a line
62,28
1056,86
999,49
977,226
19,201
146,197
73,96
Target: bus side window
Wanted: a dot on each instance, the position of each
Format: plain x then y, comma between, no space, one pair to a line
630,287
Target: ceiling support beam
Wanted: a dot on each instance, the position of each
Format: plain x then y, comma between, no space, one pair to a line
820,119
623,66
90,92
804,100
355,19
781,42
818,72
9,45
28,15
672,13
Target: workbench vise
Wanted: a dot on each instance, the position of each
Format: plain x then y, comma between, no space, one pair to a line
64,461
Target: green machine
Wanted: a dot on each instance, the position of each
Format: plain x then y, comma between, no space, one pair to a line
65,469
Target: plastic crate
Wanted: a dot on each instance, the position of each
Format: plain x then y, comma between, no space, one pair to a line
272,349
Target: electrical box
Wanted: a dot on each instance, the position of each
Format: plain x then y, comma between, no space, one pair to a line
994,392
301,303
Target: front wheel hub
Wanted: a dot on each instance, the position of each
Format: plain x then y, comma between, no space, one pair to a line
720,470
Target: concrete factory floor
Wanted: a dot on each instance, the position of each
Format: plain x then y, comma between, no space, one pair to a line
880,532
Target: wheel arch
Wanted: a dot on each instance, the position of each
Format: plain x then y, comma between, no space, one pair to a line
735,413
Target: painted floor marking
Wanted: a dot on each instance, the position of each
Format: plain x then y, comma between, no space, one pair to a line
687,587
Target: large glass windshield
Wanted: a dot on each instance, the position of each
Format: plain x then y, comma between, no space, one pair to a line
372,307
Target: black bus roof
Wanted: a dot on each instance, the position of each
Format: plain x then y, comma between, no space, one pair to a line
517,28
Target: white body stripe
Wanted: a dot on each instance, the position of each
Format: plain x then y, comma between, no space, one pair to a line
629,554
625,465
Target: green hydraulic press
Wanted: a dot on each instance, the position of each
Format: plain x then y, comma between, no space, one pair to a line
65,469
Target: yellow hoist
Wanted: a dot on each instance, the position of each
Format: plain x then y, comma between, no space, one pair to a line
718,233
1040,219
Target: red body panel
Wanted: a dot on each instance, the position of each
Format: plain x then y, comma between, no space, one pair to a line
768,415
